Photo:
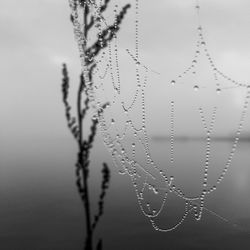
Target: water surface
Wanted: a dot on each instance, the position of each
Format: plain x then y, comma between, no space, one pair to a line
40,207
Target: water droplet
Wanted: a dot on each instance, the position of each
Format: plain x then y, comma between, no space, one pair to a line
173,82
196,87
218,91
133,145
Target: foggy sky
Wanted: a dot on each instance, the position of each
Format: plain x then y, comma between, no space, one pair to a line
37,36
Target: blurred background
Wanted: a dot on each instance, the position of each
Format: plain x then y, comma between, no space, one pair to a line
40,207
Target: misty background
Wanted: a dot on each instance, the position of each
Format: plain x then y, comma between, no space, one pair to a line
40,206
36,37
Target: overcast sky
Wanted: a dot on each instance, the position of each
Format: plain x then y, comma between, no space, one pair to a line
37,36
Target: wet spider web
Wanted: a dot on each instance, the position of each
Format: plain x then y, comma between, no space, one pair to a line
153,183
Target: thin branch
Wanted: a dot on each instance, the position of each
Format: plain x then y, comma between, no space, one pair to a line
104,187
71,121
106,36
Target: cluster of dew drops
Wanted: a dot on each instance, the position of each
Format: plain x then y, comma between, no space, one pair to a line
202,48
116,144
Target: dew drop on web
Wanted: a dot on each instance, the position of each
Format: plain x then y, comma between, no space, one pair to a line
218,91
196,88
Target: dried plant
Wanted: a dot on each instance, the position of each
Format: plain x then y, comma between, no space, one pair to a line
75,123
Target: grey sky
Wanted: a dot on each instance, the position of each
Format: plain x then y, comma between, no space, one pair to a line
36,37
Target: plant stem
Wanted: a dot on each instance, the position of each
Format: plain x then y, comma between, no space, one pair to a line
82,162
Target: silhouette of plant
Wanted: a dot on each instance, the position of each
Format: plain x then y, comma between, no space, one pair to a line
75,123
82,164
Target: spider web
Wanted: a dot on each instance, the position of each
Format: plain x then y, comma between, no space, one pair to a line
123,122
